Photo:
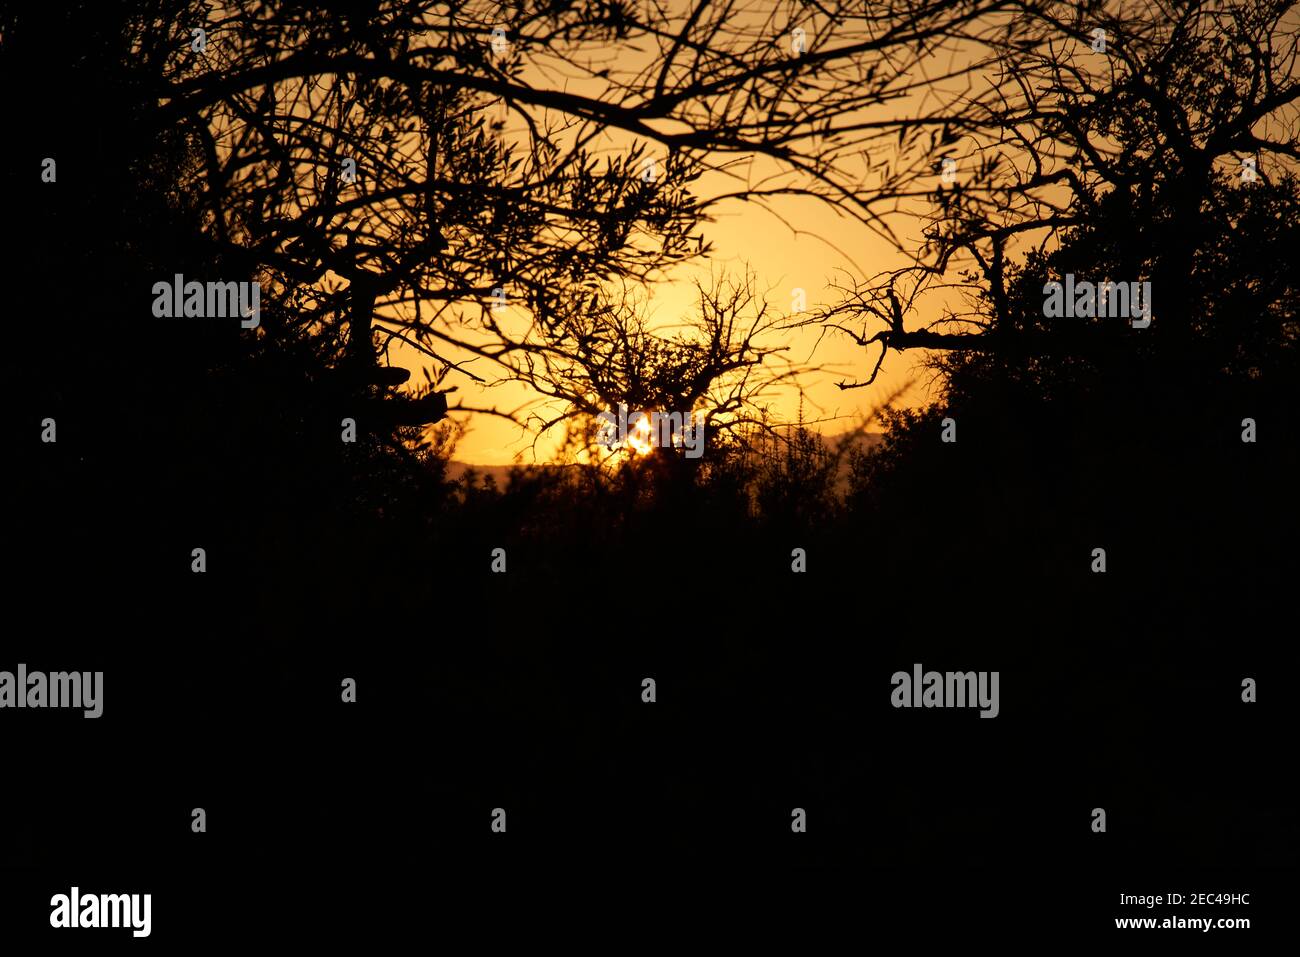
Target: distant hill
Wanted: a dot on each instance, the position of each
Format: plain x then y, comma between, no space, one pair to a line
501,473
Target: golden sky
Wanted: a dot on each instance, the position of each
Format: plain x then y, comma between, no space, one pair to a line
745,235
794,243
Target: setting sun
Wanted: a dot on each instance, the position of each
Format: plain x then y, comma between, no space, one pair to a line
639,438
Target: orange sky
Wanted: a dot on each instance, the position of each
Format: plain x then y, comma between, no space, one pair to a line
828,248
744,235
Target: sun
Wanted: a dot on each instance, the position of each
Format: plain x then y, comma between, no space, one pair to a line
639,436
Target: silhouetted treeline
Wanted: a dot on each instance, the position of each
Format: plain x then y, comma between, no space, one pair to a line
520,688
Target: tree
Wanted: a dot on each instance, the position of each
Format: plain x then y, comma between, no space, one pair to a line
433,175
1124,114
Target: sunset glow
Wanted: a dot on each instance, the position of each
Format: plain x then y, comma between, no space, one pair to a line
639,438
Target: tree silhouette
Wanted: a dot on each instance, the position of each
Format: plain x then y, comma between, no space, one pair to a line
1141,134
428,180
517,178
